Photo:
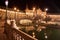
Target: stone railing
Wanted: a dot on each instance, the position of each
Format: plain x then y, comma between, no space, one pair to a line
16,34
19,35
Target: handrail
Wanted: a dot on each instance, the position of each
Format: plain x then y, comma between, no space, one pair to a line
16,34
24,35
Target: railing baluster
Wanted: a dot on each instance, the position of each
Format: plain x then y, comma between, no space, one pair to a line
15,35
17,38
20,37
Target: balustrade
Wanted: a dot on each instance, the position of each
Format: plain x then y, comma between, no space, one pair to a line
16,34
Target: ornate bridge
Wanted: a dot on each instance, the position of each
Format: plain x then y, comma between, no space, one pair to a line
14,34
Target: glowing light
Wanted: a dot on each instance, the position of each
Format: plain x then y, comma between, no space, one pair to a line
39,20
15,8
18,10
46,9
40,29
46,36
8,21
33,34
0,9
33,9
6,2
42,14
36,25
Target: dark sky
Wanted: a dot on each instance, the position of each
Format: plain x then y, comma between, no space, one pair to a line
52,5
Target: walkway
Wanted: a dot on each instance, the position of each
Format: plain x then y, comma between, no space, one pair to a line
3,36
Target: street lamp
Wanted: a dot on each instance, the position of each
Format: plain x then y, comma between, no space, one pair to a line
46,9
16,10
5,26
6,3
33,9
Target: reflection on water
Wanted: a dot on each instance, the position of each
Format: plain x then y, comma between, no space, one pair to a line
32,30
41,32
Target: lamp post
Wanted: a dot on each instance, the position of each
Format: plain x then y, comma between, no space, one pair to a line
6,3
46,9
16,10
34,11
5,25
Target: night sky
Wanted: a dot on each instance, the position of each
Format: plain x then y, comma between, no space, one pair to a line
52,5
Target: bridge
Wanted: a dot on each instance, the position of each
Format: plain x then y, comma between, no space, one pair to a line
13,33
